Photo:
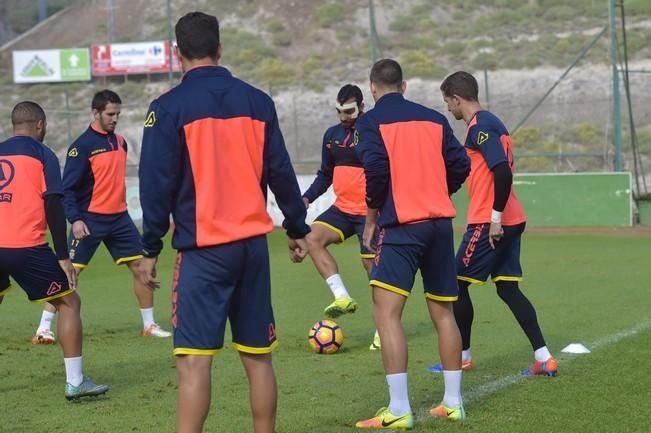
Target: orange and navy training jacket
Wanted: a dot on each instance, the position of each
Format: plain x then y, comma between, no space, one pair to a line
341,168
489,144
29,171
412,161
93,177
211,146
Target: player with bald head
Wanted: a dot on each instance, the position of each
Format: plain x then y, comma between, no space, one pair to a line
31,200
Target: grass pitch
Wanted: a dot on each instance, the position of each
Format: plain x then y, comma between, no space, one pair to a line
591,288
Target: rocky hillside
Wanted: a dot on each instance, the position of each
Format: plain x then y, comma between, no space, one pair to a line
302,51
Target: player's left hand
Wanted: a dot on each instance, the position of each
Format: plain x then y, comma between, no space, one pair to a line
495,233
369,234
146,272
71,274
298,249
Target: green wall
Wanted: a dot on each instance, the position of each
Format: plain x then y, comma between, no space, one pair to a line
568,200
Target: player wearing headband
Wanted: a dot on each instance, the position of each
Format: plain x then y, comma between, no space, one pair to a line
340,168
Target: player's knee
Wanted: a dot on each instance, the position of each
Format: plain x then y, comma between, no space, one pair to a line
133,266
71,301
256,360
193,365
379,317
507,290
316,242
383,314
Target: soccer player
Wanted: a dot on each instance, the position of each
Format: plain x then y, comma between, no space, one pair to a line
211,146
341,168
413,163
496,221
31,199
96,206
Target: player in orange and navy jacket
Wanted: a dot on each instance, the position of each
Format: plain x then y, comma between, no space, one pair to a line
413,163
211,147
341,168
96,206
496,221
31,200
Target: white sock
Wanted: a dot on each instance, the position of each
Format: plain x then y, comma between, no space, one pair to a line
46,321
466,355
398,393
542,354
74,376
337,286
147,317
452,380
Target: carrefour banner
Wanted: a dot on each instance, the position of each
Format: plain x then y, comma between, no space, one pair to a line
51,66
132,58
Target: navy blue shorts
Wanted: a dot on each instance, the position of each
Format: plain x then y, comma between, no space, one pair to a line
345,225
36,270
212,284
476,260
119,234
404,249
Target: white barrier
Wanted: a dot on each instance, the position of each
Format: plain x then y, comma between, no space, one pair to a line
304,181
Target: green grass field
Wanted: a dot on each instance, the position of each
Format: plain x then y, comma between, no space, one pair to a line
591,288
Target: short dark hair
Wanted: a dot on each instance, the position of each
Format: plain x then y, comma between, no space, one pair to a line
197,35
462,84
386,73
26,112
350,91
103,98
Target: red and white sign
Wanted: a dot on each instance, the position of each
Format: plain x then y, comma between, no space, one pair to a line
133,58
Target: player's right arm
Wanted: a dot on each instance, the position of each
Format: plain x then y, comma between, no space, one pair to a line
375,159
373,155
457,162
487,140
55,215
74,173
323,178
158,173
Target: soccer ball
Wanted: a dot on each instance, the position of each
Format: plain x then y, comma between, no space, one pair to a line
325,337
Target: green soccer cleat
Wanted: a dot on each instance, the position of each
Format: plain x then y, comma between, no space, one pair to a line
339,307
85,389
456,413
384,419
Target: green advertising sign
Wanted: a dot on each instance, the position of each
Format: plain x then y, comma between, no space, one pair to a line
75,64
51,66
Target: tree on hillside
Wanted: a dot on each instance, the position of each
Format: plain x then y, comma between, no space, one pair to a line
5,30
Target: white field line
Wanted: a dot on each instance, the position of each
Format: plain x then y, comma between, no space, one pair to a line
498,384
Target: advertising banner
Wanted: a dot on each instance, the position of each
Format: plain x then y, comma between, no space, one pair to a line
131,58
51,66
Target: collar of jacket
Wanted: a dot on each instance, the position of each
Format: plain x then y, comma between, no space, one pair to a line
389,98
206,70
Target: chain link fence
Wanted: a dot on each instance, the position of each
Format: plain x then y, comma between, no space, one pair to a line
570,132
